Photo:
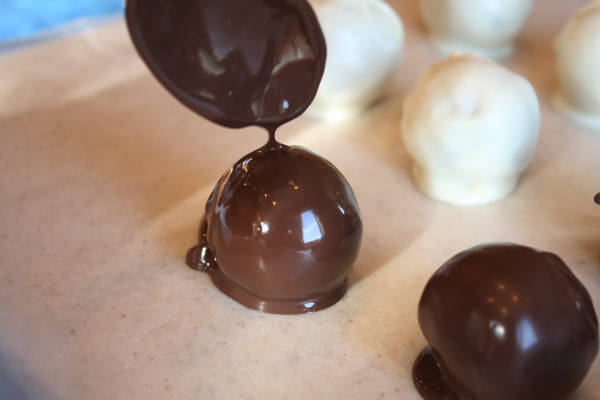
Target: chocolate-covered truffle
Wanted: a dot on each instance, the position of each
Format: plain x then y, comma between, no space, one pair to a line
282,227
505,322
282,231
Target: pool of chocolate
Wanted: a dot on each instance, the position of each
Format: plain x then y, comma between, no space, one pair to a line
105,176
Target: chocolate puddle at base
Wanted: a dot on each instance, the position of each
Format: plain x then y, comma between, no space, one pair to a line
429,380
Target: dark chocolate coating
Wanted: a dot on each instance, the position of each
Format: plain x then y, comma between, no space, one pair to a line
507,322
235,62
282,230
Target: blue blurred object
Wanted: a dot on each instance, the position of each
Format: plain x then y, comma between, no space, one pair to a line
20,19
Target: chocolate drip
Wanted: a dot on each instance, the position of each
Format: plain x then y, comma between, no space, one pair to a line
429,379
505,322
200,257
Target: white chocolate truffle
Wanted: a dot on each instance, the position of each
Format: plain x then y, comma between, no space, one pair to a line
365,42
471,127
578,65
488,27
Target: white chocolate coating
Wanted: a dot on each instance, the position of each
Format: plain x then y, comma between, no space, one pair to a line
471,127
365,41
488,27
578,66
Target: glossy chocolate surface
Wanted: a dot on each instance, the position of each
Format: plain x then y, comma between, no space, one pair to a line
282,230
235,62
506,322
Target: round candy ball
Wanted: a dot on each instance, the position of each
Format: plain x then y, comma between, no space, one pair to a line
507,322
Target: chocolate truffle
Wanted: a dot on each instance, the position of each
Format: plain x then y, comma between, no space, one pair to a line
487,27
577,49
505,322
365,44
471,127
281,232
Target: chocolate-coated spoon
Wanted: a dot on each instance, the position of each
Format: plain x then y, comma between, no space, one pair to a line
235,62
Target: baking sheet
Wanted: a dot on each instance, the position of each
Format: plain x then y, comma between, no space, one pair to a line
103,181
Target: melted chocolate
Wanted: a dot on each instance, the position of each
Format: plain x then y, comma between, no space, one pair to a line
235,62
281,232
505,322
597,198
429,379
282,227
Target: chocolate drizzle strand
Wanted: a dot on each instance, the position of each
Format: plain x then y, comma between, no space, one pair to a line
505,322
282,228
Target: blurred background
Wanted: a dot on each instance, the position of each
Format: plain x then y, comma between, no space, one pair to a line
23,20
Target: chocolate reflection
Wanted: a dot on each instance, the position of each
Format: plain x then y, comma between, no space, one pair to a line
505,322
281,232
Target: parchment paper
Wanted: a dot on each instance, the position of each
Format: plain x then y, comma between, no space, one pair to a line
103,180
